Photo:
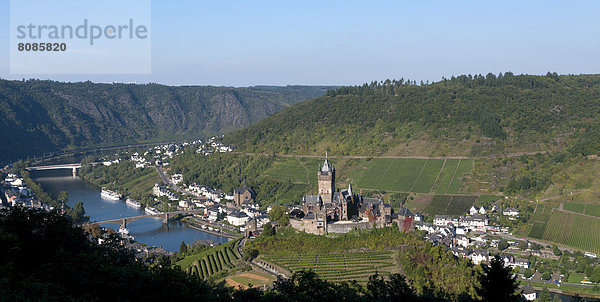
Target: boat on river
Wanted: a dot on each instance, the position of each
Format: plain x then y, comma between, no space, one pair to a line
110,195
133,203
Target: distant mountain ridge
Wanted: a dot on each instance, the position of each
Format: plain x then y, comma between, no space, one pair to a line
44,116
461,116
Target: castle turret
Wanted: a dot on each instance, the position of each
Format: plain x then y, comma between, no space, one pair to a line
326,180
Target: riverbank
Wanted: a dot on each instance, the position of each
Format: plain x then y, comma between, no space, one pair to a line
565,289
198,226
149,231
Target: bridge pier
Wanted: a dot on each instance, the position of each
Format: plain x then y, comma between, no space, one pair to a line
165,219
74,171
124,223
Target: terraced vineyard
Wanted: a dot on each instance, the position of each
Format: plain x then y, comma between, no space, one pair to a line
566,228
339,266
215,260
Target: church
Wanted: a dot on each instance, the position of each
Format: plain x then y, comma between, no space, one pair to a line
339,212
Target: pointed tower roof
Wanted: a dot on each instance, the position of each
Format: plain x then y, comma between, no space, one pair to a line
327,167
350,189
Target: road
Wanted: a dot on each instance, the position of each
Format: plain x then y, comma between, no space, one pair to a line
168,181
540,242
37,160
392,156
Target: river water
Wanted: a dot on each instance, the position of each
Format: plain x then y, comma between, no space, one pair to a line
148,230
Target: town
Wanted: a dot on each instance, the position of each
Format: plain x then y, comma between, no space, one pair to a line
331,211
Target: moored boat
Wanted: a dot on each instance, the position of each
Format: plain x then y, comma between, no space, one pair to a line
133,203
108,194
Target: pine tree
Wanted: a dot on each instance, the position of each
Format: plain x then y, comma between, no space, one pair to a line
498,284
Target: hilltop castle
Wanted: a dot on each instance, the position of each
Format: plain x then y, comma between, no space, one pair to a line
339,212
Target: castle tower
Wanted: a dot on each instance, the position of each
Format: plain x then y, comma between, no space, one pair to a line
326,180
347,204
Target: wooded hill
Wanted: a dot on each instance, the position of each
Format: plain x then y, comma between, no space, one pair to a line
45,116
464,115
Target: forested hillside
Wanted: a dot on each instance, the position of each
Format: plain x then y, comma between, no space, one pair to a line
464,115
41,116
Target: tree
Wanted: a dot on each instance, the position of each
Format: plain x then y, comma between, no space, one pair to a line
497,283
394,289
546,276
77,213
307,286
502,244
63,196
250,254
556,251
74,268
528,273
523,244
268,230
183,248
545,295
279,213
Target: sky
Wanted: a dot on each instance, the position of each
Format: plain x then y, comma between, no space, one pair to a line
246,43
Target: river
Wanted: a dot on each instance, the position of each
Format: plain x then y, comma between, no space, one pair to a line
148,230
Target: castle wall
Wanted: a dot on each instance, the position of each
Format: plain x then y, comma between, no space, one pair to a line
307,225
345,227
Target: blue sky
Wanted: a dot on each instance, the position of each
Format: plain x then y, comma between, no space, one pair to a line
243,43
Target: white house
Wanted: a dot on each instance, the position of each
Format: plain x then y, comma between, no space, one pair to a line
237,218
482,211
186,204
479,256
510,212
529,294
473,210
177,178
463,241
418,217
461,230
444,220
475,221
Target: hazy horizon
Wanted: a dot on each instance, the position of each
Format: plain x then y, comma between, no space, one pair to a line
351,42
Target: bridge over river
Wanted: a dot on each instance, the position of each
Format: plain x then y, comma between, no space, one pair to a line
164,216
72,167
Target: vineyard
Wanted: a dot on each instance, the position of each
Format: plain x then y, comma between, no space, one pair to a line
395,174
449,204
339,266
213,261
583,208
567,228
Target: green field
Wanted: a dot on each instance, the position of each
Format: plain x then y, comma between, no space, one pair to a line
449,204
537,230
540,221
583,208
339,266
428,175
487,200
389,174
445,176
208,263
253,278
592,209
575,207
465,166
570,229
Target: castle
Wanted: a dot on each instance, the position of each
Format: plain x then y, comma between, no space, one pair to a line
339,212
